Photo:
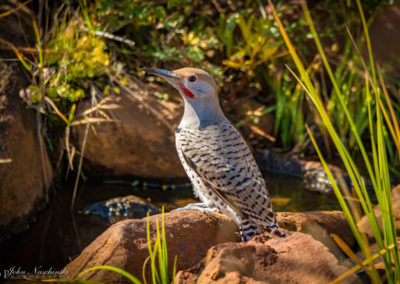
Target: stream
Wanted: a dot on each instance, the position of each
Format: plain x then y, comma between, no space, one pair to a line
56,235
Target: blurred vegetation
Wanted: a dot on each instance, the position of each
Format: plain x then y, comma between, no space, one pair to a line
101,44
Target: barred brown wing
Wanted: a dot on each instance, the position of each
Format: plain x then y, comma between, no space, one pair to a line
223,161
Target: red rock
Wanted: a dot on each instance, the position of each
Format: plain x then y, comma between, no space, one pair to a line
141,141
305,222
26,177
296,258
189,235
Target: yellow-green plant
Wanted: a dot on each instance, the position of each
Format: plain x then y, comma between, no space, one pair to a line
160,274
378,169
258,46
74,56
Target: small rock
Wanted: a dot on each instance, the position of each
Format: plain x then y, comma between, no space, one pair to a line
296,258
306,222
121,208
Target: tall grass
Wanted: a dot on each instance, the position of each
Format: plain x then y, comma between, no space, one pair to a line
378,169
289,116
351,83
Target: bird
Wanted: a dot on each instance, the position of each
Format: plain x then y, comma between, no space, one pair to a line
216,158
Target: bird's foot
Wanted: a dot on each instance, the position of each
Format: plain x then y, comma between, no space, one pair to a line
274,229
202,207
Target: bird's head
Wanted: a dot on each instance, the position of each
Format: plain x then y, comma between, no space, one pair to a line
192,83
199,92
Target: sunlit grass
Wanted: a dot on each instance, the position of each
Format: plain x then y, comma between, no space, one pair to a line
378,169
159,274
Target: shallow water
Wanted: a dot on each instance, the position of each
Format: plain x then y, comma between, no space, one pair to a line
57,235
298,198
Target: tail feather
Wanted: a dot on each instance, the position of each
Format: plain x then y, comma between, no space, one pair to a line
249,230
274,229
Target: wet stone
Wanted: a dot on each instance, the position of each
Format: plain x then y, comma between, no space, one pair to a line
311,173
121,208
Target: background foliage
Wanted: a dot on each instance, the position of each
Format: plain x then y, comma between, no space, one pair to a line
101,43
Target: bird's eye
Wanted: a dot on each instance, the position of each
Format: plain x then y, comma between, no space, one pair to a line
192,78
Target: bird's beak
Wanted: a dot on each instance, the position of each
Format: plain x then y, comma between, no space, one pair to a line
166,74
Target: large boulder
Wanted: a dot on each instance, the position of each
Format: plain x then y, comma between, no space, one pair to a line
296,258
140,141
189,236
25,171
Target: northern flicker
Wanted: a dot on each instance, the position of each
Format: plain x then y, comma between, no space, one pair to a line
216,158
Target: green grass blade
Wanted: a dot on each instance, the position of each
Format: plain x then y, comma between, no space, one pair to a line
365,262
124,273
337,90
164,245
363,242
21,58
174,270
39,44
366,34
85,12
349,164
151,252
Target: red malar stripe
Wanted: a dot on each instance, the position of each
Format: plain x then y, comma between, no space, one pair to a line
187,92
